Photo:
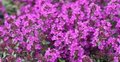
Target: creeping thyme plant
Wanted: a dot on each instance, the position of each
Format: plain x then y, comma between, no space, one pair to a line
59,30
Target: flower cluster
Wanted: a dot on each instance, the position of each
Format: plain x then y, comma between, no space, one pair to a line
61,31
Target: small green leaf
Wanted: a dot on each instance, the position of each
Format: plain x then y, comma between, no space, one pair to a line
1,54
14,55
16,45
98,60
61,60
4,54
45,42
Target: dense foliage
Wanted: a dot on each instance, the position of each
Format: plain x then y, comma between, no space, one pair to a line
60,30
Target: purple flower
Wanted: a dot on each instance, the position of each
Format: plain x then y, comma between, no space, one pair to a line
28,47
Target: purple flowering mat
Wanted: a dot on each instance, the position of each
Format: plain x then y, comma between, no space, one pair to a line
59,30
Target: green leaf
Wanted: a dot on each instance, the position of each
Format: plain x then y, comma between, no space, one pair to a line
61,60
98,60
16,45
10,6
44,42
4,54
1,54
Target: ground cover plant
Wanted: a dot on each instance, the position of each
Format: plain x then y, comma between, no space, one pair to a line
60,30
